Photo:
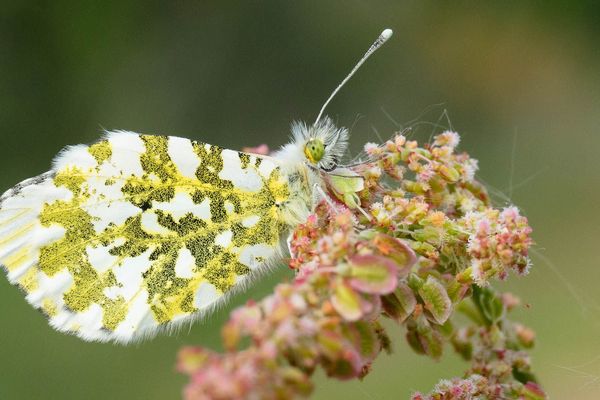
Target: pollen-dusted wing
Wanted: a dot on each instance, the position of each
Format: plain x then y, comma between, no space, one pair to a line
137,233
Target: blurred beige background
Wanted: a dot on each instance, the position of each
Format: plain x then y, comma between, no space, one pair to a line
519,80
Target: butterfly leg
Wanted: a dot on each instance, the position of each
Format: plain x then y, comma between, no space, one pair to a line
370,218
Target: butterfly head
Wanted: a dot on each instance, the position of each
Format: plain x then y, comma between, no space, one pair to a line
323,144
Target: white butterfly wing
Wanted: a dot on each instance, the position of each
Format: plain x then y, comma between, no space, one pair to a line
138,233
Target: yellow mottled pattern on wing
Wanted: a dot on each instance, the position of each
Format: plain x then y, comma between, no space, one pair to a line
137,231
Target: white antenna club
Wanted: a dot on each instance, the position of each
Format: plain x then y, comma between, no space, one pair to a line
385,35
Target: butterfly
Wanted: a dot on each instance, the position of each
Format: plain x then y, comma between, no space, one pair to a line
138,234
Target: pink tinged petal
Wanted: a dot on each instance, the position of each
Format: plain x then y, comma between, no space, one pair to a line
373,274
424,339
436,299
347,302
398,251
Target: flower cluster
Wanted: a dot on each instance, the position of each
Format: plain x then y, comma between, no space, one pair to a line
499,242
408,235
327,317
479,387
500,368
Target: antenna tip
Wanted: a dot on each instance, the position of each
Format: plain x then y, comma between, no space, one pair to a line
386,34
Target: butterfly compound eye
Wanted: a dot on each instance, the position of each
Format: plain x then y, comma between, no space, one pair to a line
314,150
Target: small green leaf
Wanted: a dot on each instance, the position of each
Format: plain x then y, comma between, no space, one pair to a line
385,342
414,187
489,305
450,174
456,291
415,282
436,299
469,309
424,338
412,337
399,304
428,234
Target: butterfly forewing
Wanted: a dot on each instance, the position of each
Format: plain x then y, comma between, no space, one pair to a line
138,232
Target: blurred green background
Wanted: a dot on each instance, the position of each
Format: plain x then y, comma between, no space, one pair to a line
519,80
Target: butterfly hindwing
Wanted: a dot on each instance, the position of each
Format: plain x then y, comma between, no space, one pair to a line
139,232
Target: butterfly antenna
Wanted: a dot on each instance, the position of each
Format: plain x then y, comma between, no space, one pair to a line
385,35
